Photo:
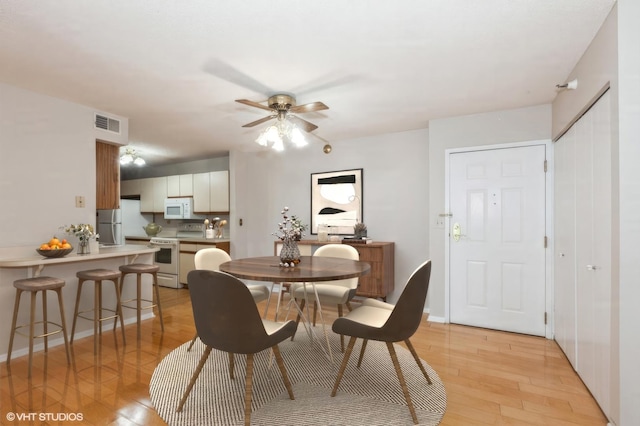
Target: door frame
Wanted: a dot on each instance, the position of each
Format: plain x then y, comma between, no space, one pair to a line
549,178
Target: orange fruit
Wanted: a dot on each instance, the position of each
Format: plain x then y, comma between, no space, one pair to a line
66,245
64,241
44,246
54,241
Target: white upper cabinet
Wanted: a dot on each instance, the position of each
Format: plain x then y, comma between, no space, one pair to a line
211,192
180,185
129,187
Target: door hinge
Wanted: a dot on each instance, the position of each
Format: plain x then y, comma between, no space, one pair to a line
545,318
545,241
545,166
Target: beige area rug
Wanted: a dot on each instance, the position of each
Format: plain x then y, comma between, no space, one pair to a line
370,395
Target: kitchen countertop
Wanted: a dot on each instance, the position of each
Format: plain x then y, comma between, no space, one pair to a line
22,258
183,239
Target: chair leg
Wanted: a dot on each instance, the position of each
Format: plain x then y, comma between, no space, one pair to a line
194,377
119,311
315,311
138,303
403,384
364,346
192,342
349,306
343,366
75,311
341,336
45,321
248,388
232,363
16,306
31,329
302,303
63,323
157,288
283,371
417,358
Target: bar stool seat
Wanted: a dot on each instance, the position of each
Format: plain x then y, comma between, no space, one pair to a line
35,285
139,269
97,276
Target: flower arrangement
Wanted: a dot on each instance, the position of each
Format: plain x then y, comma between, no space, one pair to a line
291,227
84,232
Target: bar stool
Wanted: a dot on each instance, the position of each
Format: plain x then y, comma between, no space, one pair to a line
34,285
97,276
139,269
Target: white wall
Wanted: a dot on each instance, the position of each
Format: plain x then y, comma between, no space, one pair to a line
517,125
47,148
395,193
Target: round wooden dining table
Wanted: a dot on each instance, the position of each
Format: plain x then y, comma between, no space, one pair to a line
311,269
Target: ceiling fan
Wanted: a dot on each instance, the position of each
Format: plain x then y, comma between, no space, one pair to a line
284,106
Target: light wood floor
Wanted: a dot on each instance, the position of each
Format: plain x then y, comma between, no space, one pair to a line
491,377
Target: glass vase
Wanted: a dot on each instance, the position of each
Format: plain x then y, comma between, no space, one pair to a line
290,253
83,247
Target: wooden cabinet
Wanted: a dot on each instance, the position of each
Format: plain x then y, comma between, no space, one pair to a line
107,176
380,255
211,192
180,185
188,253
130,188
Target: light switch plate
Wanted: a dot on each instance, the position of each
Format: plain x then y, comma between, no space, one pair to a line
79,201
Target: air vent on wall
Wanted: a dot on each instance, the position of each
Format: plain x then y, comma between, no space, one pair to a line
108,124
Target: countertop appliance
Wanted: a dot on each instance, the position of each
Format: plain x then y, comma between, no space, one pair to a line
180,208
109,227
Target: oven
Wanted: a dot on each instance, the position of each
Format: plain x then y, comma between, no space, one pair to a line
167,259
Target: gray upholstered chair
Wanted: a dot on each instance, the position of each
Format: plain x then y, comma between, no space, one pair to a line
227,319
211,259
339,292
376,320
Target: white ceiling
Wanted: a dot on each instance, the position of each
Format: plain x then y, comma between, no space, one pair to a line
174,68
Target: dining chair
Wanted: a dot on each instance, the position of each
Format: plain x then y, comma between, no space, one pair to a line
381,321
211,259
227,319
338,292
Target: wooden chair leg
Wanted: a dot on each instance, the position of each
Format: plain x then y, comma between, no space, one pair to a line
341,336
75,311
63,323
403,384
192,342
364,346
16,306
248,388
32,322
298,316
158,305
315,312
417,358
283,371
192,382
232,364
349,306
343,366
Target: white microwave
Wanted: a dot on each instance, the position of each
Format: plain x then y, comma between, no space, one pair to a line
180,208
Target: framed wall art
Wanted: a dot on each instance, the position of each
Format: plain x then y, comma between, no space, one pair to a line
336,201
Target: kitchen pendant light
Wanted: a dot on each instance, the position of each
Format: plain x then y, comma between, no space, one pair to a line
131,156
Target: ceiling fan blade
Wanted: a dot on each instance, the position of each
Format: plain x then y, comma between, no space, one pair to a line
226,72
313,106
253,104
262,120
303,124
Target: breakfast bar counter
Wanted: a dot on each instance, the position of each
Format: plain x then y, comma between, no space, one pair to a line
24,262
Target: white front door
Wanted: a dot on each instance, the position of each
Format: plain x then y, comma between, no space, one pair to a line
497,239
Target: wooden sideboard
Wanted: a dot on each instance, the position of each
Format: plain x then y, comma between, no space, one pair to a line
380,255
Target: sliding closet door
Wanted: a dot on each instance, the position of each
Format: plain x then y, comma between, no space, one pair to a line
565,259
583,248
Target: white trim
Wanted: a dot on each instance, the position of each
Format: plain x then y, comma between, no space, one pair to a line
549,286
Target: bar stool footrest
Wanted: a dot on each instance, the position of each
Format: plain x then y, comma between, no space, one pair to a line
58,329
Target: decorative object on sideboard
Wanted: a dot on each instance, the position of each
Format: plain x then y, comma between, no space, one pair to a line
359,230
290,231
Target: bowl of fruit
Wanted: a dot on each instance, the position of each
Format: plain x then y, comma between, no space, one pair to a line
55,248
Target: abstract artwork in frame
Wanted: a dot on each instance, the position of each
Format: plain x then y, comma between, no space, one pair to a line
336,201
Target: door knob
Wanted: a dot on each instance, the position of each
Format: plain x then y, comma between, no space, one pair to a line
591,267
457,232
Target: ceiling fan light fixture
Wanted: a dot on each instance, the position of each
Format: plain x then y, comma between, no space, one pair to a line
130,156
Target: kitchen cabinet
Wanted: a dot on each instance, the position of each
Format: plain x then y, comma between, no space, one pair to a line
180,185
380,255
188,253
153,192
107,176
211,192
